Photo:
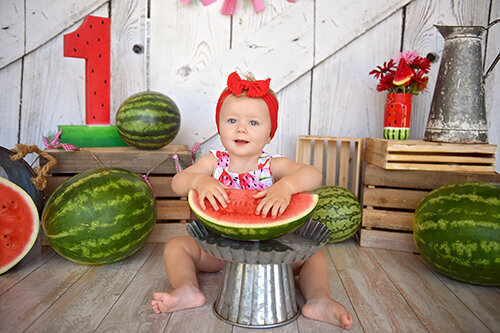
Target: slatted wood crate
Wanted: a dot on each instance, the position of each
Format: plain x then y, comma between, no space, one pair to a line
172,210
338,158
390,198
423,155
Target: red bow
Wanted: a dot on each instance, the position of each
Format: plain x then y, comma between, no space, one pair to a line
255,88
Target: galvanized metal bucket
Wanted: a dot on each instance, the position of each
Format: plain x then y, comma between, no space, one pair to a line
458,112
257,288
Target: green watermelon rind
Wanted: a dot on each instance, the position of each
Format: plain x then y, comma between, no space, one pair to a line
393,133
457,230
277,228
148,120
32,207
88,218
339,209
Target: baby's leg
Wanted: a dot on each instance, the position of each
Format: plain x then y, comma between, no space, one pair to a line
183,258
314,285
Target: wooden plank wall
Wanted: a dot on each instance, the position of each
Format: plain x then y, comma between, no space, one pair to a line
318,54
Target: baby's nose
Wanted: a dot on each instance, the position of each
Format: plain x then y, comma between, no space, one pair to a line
241,128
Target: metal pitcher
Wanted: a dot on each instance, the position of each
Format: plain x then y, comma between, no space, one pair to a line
458,112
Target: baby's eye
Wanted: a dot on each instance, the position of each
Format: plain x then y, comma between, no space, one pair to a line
253,123
232,121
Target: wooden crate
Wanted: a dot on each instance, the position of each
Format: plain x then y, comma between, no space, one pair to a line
171,209
433,156
390,198
338,158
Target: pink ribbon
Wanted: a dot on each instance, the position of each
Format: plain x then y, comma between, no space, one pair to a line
204,2
146,179
178,167
54,143
194,150
229,6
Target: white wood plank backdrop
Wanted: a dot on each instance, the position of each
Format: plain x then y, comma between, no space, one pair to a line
317,52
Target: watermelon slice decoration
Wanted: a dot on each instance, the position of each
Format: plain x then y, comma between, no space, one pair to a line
403,74
19,224
238,219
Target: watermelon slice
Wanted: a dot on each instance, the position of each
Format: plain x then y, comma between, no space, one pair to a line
19,224
20,173
238,219
403,74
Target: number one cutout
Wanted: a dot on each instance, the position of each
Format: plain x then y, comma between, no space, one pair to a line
91,41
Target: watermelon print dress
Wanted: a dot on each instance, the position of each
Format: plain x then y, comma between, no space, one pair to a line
254,180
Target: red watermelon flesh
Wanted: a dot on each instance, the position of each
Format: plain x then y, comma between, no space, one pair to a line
19,224
403,73
238,219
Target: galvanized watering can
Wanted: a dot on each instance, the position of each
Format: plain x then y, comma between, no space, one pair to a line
458,112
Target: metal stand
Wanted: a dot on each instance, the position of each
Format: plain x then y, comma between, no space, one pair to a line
257,289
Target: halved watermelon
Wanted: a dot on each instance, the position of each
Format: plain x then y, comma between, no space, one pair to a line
19,224
238,219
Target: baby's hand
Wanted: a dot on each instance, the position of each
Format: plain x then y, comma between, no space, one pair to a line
211,189
275,200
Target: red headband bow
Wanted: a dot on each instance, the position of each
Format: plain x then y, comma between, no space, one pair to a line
255,89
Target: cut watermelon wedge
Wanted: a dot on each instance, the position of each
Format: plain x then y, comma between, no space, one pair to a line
19,224
238,219
403,74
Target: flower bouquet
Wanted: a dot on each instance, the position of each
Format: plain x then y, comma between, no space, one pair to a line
402,77
404,74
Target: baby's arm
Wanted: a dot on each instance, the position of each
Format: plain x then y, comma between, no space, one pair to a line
199,177
292,178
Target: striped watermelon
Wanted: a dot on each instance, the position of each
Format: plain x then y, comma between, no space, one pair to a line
99,216
238,219
148,120
457,230
339,209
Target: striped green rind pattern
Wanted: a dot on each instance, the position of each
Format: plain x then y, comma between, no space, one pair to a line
148,120
457,230
254,233
99,216
339,209
391,133
274,228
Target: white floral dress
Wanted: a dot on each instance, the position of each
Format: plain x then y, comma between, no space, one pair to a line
254,180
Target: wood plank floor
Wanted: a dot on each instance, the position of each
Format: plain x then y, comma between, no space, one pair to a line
387,291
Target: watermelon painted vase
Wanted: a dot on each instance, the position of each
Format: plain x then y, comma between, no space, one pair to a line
397,116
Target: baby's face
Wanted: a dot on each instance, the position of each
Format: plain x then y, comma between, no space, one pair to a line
244,125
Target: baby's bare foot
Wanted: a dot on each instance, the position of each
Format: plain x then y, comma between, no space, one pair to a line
184,297
329,311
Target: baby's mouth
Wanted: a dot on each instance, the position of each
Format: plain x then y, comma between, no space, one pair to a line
240,141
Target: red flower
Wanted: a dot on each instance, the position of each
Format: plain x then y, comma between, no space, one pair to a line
386,82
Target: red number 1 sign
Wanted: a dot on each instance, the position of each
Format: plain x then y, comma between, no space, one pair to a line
91,41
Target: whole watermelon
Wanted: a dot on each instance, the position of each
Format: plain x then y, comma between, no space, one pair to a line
457,230
339,209
99,216
148,120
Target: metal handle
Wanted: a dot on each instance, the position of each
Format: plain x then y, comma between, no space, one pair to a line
494,63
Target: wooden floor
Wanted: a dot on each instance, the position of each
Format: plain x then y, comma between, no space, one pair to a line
387,291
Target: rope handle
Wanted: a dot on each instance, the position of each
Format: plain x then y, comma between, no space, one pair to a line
40,180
